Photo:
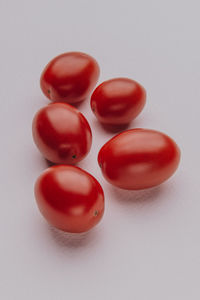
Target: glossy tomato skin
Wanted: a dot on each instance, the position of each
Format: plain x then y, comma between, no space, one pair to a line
118,101
69,77
138,159
61,133
69,198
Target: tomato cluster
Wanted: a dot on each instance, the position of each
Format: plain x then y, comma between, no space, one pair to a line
68,197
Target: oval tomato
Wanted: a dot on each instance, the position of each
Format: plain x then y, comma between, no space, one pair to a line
138,159
69,77
62,133
69,198
118,101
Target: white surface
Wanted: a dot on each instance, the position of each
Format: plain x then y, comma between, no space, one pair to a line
147,246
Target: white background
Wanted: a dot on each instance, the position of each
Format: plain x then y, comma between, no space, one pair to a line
147,246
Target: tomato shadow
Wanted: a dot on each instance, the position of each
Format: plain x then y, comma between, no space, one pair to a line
114,128
117,128
138,197
49,163
78,104
73,240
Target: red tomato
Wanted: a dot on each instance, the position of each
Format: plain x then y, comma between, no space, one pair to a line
69,77
62,133
118,101
138,159
69,198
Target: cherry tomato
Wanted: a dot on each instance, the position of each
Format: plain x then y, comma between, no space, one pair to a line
69,198
69,77
118,101
138,159
62,133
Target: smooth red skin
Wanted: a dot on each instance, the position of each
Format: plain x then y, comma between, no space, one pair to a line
61,132
69,198
118,101
69,77
138,159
